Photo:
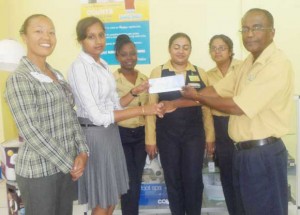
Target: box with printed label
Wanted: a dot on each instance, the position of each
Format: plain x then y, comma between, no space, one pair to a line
153,195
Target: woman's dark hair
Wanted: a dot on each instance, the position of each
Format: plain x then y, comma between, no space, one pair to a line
225,39
23,29
122,40
178,35
84,24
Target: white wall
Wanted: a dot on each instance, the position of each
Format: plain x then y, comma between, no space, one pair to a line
201,19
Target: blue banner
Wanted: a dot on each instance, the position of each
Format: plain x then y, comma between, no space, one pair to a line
139,34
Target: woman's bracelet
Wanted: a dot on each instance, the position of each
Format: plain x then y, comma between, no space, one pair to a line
134,95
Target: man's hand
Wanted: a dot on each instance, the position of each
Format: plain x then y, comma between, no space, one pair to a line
189,92
79,166
154,109
151,151
168,106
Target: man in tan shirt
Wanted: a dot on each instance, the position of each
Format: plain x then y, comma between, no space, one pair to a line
259,99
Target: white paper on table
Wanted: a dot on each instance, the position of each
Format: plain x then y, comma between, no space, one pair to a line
166,84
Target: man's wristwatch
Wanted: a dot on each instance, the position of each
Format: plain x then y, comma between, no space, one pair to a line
134,95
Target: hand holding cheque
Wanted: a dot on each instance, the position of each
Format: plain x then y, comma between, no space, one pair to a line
174,83
166,84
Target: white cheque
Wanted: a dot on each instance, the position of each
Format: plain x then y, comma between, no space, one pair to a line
166,84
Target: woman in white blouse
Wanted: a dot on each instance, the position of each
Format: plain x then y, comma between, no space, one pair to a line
98,109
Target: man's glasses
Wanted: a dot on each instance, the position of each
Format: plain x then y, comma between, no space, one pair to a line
218,49
254,29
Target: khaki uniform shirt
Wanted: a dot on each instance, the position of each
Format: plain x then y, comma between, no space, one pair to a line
123,87
214,75
264,91
153,98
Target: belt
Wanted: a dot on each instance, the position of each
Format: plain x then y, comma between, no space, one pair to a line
136,129
88,125
255,143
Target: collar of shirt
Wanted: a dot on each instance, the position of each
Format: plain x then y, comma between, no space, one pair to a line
265,55
234,63
121,78
170,67
37,73
89,59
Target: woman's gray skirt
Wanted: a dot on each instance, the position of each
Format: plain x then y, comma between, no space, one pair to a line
105,178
